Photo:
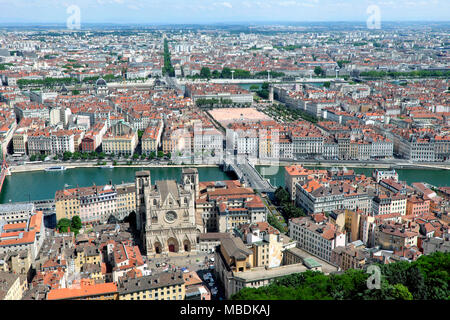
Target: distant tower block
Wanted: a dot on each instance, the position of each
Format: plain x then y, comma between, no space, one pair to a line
232,74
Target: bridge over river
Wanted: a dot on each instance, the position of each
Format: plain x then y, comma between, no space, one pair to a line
247,173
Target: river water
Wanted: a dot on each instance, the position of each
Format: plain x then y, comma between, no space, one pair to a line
40,185
437,178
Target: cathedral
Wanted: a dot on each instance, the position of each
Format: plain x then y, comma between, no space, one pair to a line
165,213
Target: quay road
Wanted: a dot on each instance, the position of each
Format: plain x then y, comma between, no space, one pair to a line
391,163
262,80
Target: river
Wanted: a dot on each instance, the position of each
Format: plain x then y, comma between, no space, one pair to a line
437,178
40,185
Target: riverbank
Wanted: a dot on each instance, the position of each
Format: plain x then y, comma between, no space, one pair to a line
360,164
74,165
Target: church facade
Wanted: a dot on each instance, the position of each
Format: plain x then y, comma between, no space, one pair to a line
165,213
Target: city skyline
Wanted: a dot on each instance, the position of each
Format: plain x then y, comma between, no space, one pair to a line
231,11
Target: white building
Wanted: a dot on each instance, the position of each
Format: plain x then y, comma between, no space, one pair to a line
316,235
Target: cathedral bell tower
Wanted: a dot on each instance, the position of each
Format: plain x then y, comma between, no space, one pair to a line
142,182
189,177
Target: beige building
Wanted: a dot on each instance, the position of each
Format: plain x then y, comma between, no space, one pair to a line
18,262
120,139
20,140
234,268
12,286
96,204
162,286
351,256
394,236
126,200
152,138
265,242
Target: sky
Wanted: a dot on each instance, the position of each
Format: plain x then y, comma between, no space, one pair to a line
220,11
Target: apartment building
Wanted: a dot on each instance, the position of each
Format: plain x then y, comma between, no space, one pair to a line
224,205
12,286
31,110
18,236
316,235
265,241
151,138
352,256
126,200
394,236
388,204
92,204
298,174
417,206
216,91
85,289
120,139
16,212
315,197
161,286
63,141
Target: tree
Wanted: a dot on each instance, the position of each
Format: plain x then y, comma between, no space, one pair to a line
226,73
33,157
63,225
352,284
76,223
160,154
205,72
76,155
400,292
282,195
215,74
67,155
135,156
152,155
327,84
318,71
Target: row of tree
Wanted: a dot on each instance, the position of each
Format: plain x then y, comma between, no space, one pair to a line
66,156
168,69
226,73
51,82
408,74
427,278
